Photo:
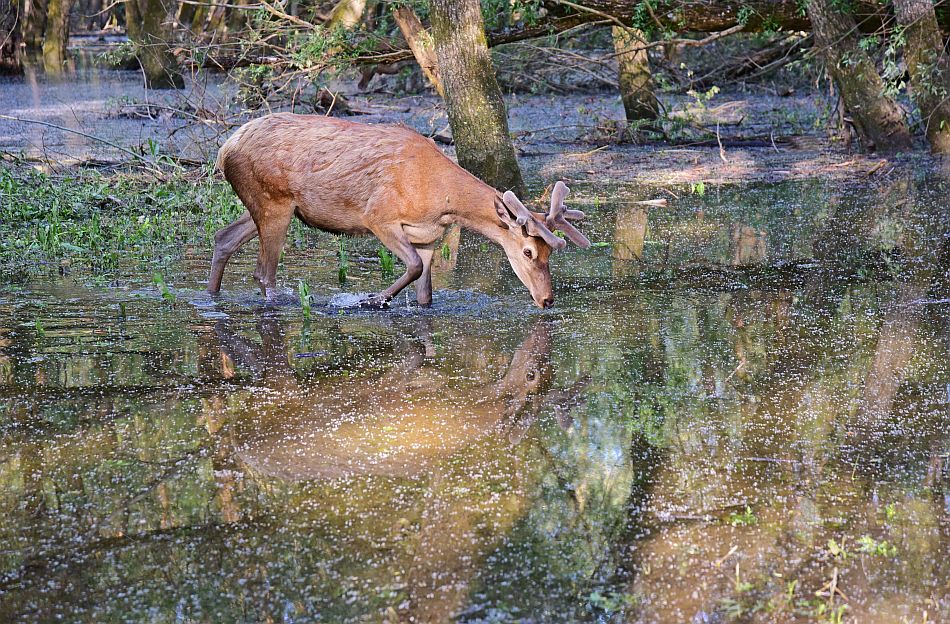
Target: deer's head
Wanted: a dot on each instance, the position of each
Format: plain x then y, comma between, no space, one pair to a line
530,239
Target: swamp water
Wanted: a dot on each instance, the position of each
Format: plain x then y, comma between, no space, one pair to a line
738,411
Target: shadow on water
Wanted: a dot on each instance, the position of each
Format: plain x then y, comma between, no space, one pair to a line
738,412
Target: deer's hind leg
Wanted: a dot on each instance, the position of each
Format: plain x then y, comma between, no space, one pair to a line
424,282
227,240
272,220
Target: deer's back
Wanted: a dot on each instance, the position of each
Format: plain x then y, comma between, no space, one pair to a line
329,169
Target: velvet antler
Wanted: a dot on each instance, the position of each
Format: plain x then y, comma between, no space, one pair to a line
533,223
557,218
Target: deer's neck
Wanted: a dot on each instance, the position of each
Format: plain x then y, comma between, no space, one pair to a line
472,206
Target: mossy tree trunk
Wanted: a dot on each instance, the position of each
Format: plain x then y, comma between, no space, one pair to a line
185,15
56,34
475,107
33,23
347,14
214,25
877,118
10,63
237,18
929,68
145,23
636,81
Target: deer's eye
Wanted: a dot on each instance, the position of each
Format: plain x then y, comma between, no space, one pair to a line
527,253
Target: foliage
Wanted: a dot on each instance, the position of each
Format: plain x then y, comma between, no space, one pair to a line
159,280
869,545
743,518
101,222
702,98
499,13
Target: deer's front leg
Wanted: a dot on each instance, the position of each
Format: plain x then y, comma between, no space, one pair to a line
393,237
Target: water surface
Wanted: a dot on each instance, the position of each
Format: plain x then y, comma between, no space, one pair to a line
738,411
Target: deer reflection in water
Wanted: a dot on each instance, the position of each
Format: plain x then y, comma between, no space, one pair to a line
461,443
399,423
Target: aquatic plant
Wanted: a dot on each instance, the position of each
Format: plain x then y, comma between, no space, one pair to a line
159,280
303,291
343,258
386,261
98,222
869,545
744,518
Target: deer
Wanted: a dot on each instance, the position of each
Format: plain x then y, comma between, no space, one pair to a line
387,181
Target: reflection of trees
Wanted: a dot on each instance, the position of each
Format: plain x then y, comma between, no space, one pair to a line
629,232
896,345
411,412
782,437
178,509
781,456
157,480
748,245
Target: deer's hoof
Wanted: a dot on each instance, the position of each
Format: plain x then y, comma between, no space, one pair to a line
374,303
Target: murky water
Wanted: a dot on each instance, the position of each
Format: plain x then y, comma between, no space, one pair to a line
739,410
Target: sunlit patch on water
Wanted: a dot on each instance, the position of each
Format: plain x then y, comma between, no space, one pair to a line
738,411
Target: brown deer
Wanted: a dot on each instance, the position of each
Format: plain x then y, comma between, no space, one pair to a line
388,181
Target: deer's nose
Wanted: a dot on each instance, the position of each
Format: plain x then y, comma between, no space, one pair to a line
548,303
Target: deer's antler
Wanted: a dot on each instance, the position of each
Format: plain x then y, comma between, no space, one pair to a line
559,216
534,223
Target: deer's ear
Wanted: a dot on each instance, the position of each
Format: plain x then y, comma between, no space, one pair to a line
505,218
518,212
501,210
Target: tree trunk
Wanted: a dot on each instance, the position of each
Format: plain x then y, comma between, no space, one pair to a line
10,62
472,97
877,118
346,14
186,15
636,82
420,42
56,35
215,19
34,23
198,18
145,23
929,68
237,18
